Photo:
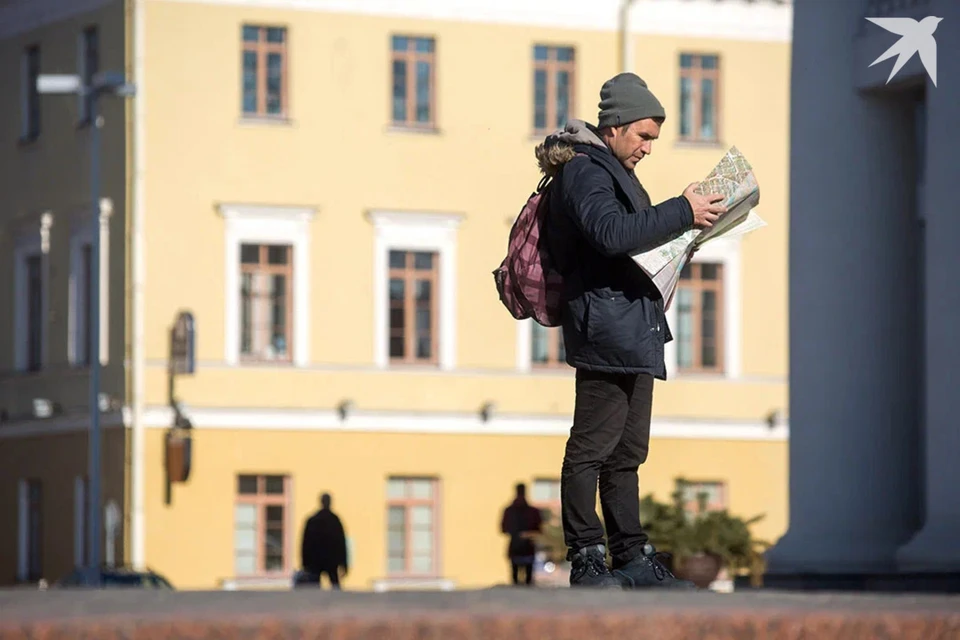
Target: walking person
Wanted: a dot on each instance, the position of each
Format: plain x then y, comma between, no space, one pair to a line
323,549
522,522
614,327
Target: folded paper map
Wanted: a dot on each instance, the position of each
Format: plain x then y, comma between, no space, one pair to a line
732,178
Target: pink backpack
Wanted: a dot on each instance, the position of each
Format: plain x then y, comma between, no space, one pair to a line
527,281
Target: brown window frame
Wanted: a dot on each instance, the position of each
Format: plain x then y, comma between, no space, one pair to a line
407,502
409,274
554,339
697,74
262,48
552,66
411,56
267,269
697,285
261,500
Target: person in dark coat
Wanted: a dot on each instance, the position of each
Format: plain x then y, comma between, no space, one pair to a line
323,549
521,521
614,326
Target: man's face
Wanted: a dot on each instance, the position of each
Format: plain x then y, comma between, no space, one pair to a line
631,143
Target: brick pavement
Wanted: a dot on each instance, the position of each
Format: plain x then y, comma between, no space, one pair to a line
502,613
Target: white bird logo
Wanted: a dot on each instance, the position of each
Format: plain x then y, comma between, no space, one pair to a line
916,37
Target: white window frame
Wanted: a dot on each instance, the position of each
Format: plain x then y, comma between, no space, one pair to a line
256,224
30,245
409,231
524,351
726,252
79,316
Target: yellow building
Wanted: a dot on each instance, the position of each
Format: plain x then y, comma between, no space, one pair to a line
326,187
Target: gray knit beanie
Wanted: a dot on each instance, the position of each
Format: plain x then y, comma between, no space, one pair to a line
625,98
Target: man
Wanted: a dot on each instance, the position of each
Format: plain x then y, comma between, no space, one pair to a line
614,327
324,546
521,521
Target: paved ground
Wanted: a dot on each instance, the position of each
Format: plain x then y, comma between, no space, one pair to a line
503,613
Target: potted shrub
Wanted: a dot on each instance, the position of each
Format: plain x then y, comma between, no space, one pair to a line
704,542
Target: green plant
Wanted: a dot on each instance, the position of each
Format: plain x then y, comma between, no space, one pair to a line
673,529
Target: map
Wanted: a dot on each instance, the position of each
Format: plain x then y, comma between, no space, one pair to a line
733,178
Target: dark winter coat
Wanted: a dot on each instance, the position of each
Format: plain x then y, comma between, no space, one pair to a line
599,214
518,518
324,545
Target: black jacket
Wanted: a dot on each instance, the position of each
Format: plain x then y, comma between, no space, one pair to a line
613,319
324,544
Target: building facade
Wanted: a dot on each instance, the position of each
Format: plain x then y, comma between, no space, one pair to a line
873,492
326,187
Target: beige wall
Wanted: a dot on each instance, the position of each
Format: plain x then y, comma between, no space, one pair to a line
190,541
338,154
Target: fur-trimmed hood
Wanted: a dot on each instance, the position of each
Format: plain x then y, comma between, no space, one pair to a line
557,149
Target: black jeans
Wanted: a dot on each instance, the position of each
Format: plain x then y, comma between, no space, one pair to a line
609,440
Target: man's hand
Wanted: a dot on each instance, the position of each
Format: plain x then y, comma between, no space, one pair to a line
706,208
343,570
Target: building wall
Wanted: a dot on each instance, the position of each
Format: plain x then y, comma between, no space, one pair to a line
56,460
339,159
335,167
190,541
51,174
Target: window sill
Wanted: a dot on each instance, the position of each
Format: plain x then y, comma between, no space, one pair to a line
414,129
264,120
258,581
413,582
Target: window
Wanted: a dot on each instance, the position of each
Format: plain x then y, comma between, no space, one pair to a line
270,314
88,59
30,97
546,348
545,495
264,71
553,81
34,265
30,530
402,243
266,291
413,306
700,497
412,531
81,298
413,63
699,98
700,318
261,539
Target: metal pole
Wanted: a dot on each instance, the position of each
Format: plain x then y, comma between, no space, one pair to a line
94,515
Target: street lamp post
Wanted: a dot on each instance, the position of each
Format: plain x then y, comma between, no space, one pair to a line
105,82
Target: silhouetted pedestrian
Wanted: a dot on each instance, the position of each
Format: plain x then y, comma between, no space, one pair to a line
521,521
324,547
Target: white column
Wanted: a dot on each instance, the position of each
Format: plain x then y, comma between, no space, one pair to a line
935,548
46,223
106,210
852,337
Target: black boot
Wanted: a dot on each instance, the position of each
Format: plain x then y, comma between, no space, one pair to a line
590,569
646,570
